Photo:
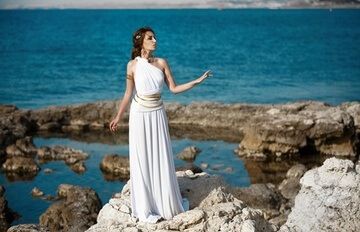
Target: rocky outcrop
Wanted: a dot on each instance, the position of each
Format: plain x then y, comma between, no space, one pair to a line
7,216
76,212
213,208
283,129
293,128
72,157
189,153
328,200
115,167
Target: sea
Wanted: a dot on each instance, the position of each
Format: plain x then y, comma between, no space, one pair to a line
257,56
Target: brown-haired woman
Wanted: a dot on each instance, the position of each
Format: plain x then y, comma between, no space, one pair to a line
155,191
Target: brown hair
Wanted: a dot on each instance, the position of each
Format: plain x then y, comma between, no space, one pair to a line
138,39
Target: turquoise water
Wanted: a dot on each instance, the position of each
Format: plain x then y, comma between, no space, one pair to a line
219,155
59,57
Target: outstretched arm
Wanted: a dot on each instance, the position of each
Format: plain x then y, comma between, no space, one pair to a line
130,85
174,88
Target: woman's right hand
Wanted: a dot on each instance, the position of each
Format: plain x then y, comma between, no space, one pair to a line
114,124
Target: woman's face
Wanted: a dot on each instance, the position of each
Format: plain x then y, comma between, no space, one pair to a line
149,42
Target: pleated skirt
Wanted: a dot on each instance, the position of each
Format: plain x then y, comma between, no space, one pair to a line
155,191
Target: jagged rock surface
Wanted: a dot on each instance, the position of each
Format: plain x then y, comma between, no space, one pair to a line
329,199
215,209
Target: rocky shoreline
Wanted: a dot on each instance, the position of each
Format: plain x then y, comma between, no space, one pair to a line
265,133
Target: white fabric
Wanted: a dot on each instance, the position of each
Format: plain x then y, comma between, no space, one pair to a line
155,191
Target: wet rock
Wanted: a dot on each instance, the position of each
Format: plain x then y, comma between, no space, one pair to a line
215,210
189,153
116,165
48,171
13,151
20,165
79,167
7,216
35,192
77,212
205,165
61,153
229,169
189,166
328,198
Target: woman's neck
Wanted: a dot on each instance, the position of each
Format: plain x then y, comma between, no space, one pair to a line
146,54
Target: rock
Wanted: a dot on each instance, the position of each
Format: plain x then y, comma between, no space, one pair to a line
61,153
215,210
260,196
229,169
190,166
14,124
328,199
20,165
205,165
48,171
290,186
116,165
50,126
23,147
79,167
13,151
35,192
197,187
189,153
7,216
27,145
27,228
77,212
290,129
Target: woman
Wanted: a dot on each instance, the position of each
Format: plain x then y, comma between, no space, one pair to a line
155,191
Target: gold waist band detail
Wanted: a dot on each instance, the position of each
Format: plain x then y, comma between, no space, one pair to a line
148,101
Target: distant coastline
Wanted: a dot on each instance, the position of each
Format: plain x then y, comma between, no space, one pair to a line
185,4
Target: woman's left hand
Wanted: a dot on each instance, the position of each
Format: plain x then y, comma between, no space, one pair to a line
204,76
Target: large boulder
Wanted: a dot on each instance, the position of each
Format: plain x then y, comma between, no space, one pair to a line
76,212
328,200
215,210
292,128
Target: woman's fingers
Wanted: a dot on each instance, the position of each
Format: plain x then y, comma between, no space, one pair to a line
208,73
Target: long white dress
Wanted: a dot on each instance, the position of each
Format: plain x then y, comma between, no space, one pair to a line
155,191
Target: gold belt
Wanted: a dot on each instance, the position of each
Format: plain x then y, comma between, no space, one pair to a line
149,101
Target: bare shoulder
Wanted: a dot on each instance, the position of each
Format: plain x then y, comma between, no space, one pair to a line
131,65
162,63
